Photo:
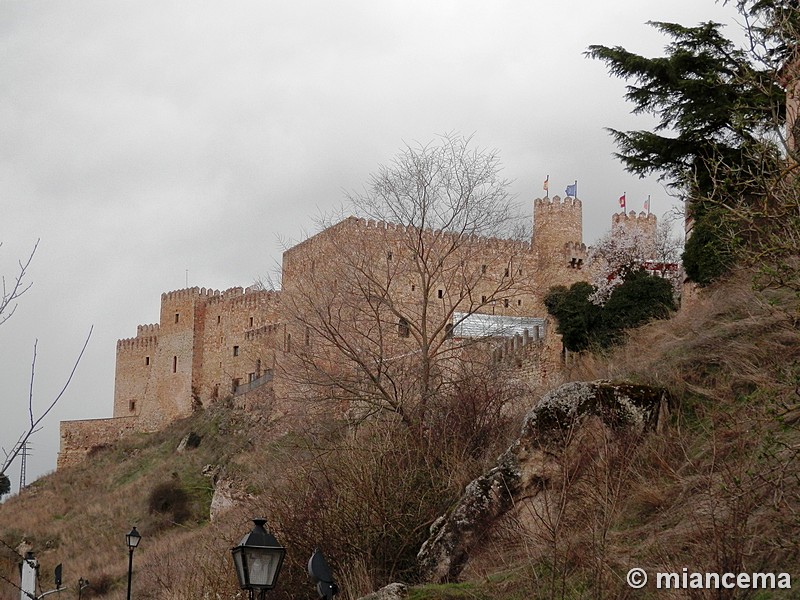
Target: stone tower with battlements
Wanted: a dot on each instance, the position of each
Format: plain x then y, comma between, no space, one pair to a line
558,239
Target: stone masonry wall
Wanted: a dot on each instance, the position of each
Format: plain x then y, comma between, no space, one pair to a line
134,370
238,343
206,341
78,438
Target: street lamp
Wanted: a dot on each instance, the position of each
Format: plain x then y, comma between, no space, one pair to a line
320,573
132,539
258,559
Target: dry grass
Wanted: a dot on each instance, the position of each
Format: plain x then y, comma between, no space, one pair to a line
719,490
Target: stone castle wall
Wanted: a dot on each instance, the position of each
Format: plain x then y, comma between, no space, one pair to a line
209,342
78,438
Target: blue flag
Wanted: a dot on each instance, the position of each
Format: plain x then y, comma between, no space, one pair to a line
571,190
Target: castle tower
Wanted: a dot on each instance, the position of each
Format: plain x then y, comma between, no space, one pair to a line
558,233
178,355
135,375
642,224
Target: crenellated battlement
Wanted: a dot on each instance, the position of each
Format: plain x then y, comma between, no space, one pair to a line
137,344
632,217
258,332
576,254
489,242
556,203
575,248
642,224
224,296
242,297
147,330
192,292
255,298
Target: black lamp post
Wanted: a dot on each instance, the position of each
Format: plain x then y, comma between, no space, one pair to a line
258,559
132,539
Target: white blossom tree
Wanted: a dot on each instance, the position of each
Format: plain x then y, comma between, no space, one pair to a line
626,250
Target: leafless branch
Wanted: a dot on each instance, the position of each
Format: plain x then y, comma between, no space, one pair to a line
35,422
12,291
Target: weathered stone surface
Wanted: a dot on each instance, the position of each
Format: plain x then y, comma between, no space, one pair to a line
393,591
527,466
227,494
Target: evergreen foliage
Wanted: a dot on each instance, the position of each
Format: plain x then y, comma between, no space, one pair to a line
717,108
642,298
584,325
577,316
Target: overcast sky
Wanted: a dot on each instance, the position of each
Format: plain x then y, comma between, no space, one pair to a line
139,140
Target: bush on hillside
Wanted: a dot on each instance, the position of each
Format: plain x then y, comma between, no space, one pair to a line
170,499
582,324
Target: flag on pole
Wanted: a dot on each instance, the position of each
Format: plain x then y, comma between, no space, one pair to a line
572,190
622,201
647,204
546,185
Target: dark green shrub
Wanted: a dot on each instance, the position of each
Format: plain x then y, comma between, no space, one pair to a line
171,500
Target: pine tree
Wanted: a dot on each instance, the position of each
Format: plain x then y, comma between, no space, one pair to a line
717,109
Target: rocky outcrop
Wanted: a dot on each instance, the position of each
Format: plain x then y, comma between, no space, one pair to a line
393,591
228,493
529,463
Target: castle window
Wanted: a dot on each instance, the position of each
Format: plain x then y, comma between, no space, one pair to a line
177,317
219,319
216,390
441,293
251,321
519,271
235,384
146,361
413,287
483,269
389,255
251,377
132,405
288,342
402,328
236,350
448,331
258,367
506,273
483,299
505,302
174,364
519,302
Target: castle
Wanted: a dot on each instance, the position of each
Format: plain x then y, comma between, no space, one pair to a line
211,344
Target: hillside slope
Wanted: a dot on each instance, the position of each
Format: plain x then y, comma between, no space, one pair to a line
718,491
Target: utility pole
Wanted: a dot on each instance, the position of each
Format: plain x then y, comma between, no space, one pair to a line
23,465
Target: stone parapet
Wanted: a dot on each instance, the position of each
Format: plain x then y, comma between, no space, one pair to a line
79,438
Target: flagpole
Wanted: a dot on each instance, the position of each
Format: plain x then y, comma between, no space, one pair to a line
576,188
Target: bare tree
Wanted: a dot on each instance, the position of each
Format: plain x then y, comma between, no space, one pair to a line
376,299
12,291
15,288
34,421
